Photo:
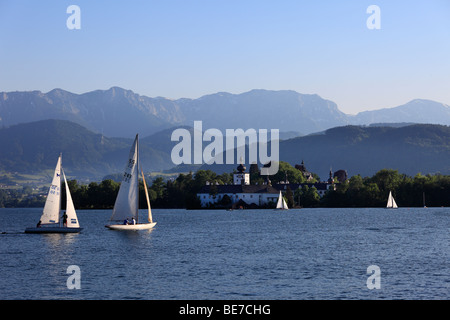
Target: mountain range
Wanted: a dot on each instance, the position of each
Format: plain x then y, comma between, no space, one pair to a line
34,147
117,112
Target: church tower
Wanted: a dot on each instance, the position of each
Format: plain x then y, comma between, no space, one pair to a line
241,177
330,179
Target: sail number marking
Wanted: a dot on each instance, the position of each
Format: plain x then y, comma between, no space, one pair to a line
127,177
54,189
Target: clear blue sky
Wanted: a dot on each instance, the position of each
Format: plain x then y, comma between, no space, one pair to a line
189,48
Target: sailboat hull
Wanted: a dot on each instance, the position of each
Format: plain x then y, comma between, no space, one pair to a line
139,226
53,230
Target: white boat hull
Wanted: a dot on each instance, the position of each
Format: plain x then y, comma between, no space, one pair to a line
53,230
139,226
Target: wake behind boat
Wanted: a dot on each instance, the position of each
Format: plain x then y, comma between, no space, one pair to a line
127,202
50,221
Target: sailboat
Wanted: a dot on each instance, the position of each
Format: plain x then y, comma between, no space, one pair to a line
391,204
281,204
126,206
424,205
50,219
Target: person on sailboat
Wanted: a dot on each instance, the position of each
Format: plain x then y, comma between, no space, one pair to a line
125,222
133,221
64,219
38,224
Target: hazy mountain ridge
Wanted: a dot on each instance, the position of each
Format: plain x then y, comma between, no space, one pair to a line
114,112
262,109
122,113
418,110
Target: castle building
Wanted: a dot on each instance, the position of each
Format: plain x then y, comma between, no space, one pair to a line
239,195
242,194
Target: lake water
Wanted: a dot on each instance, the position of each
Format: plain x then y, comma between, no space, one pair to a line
244,254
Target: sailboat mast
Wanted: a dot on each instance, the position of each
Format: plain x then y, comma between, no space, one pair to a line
137,180
60,189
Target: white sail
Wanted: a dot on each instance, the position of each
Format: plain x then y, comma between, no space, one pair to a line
391,201
285,206
126,205
281,204
394,204
72,220
150,218
50,214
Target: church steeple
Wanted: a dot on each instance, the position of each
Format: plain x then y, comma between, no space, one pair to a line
330,179
241,168
241,177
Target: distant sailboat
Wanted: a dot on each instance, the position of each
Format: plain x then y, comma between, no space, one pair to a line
424,205
127,201
50,219
281,204
391,204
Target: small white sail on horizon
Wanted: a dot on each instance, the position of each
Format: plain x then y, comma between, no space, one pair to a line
391,202
50,218
424,204
281,204
126,207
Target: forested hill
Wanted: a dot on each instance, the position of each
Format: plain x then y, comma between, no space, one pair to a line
34,147
365,150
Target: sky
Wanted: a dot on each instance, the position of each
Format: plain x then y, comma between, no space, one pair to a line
190,48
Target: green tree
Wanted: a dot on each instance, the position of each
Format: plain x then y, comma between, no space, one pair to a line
286,170
308,196
289,196
158,187
386,180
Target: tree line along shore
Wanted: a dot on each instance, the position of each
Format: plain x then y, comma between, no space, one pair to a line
432,190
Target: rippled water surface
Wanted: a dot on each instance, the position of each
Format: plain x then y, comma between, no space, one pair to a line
244,254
